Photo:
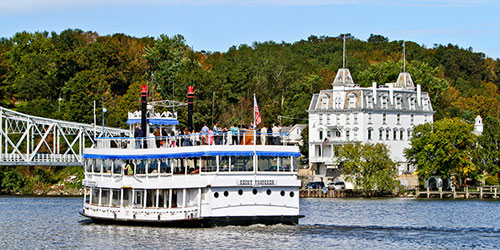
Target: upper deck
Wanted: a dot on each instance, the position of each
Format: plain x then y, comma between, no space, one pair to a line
223,153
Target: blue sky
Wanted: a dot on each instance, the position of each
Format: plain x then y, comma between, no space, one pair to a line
215,25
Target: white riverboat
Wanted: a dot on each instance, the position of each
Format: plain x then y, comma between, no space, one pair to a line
166,181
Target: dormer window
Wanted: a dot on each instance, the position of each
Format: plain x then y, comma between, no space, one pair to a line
426,104
384,102
338,102
324,102
398,102
369,101
412,103
352,101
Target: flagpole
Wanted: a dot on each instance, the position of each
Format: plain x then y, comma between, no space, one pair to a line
254,139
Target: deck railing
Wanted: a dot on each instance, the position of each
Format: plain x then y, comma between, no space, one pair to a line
246,137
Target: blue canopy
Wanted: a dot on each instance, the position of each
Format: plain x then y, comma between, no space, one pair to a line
155,121
192,155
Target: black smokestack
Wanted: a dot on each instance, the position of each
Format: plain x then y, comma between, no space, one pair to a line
144,102
190,97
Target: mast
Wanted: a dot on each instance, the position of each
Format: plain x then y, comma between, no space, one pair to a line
343,54
144,102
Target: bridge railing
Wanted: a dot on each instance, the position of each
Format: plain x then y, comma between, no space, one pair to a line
247,137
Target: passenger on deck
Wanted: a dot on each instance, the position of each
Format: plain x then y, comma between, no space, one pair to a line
127,168
138,133
276,134
204,134
263,132
157,135
234,134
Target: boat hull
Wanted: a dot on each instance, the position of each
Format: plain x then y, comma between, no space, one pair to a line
204,222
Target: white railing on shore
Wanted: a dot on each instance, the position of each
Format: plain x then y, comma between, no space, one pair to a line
247,137
40,158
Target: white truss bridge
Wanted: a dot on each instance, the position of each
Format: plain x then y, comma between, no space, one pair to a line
27,140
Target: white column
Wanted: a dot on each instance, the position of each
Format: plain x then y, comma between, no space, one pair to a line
100,196
183,198
110,197
121,197
145,196
90,199
84,192
157,197
170,198
199,202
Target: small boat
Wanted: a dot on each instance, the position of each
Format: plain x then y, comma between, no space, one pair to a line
174,180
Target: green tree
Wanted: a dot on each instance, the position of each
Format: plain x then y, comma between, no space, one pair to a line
446,148
368,166
489,142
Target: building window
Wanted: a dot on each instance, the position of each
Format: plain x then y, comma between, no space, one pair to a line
395,134
327,119
355,134
337,133
320,119
370,134
399,119
387,134
369,118
348,118
412,103
338,102
320,135
380,134
408,134
412,119
398,102
324,104
426,104
425,118
355,118
384,118
352,101
329,134
384,102
347,135
401,134
338,119
369,101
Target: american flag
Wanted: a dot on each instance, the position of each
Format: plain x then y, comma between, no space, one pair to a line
256,110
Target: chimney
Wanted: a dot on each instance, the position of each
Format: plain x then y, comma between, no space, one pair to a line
419,95
190,97
144,102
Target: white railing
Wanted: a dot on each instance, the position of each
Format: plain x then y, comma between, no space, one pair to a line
247,137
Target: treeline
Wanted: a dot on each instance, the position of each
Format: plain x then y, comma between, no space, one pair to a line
60,75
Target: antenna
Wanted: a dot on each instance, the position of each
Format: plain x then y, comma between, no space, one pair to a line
404,57
343,55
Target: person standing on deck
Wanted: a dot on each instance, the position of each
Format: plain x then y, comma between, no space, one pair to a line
216,134
234,133
138,134
276,134
263,132
157,135
204,134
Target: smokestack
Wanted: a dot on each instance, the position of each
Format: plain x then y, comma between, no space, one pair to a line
144,94
190,97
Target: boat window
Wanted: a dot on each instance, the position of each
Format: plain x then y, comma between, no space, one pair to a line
150,198
254,191
267,163
107,166
126,196
292,194
296,164
153,166
193,165
97,166
242,163
208,164
240,192
165,166
226,193
178,165
115,200
268,192
105,198
138,198
216,195
117,166
224,164
140,167
282,193
88,165
285,164
95,196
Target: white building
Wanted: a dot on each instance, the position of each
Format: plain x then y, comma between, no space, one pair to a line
294,134
348,113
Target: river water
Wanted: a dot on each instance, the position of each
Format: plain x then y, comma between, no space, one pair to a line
54,223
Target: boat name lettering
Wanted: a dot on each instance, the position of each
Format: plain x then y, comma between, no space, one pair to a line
257,182
88,183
